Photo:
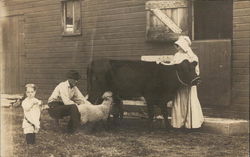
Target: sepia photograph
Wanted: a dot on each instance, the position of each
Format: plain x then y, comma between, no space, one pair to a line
124,78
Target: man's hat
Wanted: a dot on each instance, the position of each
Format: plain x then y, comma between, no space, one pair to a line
73,74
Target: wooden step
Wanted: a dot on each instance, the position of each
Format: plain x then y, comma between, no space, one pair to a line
226,126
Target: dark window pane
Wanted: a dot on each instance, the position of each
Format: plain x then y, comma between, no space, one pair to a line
212,19
77,22
69,13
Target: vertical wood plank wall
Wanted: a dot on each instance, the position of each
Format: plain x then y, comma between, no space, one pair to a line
240,55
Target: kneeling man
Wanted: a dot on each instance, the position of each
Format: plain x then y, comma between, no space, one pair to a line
64,100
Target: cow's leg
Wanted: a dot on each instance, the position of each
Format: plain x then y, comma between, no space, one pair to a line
117,110
150,108
164,112
150,115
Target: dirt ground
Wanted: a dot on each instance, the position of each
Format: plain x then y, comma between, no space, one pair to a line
131,139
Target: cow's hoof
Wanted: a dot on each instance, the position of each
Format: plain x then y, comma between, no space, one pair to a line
150,127
168,126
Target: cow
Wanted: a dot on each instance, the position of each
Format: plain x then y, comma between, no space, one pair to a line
128,79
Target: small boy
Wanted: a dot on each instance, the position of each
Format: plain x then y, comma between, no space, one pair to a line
32,111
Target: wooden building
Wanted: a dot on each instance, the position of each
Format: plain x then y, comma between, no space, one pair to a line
41,40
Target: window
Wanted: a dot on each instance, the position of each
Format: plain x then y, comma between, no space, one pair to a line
71,17
200,19
166,20
212,19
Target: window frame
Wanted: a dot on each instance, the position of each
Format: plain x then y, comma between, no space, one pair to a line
63,18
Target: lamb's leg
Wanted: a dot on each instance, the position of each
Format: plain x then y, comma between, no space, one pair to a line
95,126
83,119
105,124
109,122
57,123
83,110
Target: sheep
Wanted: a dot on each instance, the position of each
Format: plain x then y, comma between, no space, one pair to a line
94,113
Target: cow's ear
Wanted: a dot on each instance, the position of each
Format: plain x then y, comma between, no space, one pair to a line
194,63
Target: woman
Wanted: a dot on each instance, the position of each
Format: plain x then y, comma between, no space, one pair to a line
186,110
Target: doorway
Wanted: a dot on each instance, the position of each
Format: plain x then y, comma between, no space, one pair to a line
12,54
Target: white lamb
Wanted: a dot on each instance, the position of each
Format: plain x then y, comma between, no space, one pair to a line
92,113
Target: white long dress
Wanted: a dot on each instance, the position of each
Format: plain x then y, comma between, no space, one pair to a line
186,109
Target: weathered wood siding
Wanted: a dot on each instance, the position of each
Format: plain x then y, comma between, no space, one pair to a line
109,29
240,55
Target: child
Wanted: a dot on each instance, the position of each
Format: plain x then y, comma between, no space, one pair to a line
32,111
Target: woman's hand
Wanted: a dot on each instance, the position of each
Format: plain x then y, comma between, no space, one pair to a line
166,63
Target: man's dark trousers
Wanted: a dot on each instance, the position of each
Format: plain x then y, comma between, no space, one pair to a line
58,110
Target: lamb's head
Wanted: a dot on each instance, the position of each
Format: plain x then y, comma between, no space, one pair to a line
107,98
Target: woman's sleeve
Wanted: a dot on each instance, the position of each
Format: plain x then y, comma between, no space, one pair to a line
176,58
197,69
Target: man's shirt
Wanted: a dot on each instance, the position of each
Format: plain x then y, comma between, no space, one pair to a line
63,92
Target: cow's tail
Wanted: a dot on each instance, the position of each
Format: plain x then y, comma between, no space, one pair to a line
89,77
93,98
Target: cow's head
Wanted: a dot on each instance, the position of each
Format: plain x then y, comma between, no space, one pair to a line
186,74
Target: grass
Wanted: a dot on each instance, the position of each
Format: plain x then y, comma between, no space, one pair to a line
131,139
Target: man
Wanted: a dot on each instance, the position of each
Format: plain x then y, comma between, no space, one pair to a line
64,100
